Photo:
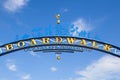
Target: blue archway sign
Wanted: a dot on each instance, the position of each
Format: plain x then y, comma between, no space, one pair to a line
59,44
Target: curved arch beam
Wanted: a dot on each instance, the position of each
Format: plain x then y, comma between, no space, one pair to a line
59,41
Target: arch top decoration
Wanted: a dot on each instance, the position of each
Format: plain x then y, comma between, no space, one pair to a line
59,44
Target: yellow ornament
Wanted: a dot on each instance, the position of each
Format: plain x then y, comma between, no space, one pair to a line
58,16
58,57
58,21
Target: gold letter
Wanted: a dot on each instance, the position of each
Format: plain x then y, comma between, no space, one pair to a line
71,40
83,42
94,44
33,42
21,44
45,40
58,40
107,47
9,47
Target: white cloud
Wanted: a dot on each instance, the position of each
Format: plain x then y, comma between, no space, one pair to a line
14,5
11,66
53,69
106,68
65,10
34,54
79,25
26,77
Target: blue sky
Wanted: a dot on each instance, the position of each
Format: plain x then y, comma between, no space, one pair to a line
21,19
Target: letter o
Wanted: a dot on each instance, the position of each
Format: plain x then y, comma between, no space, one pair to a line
21,44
